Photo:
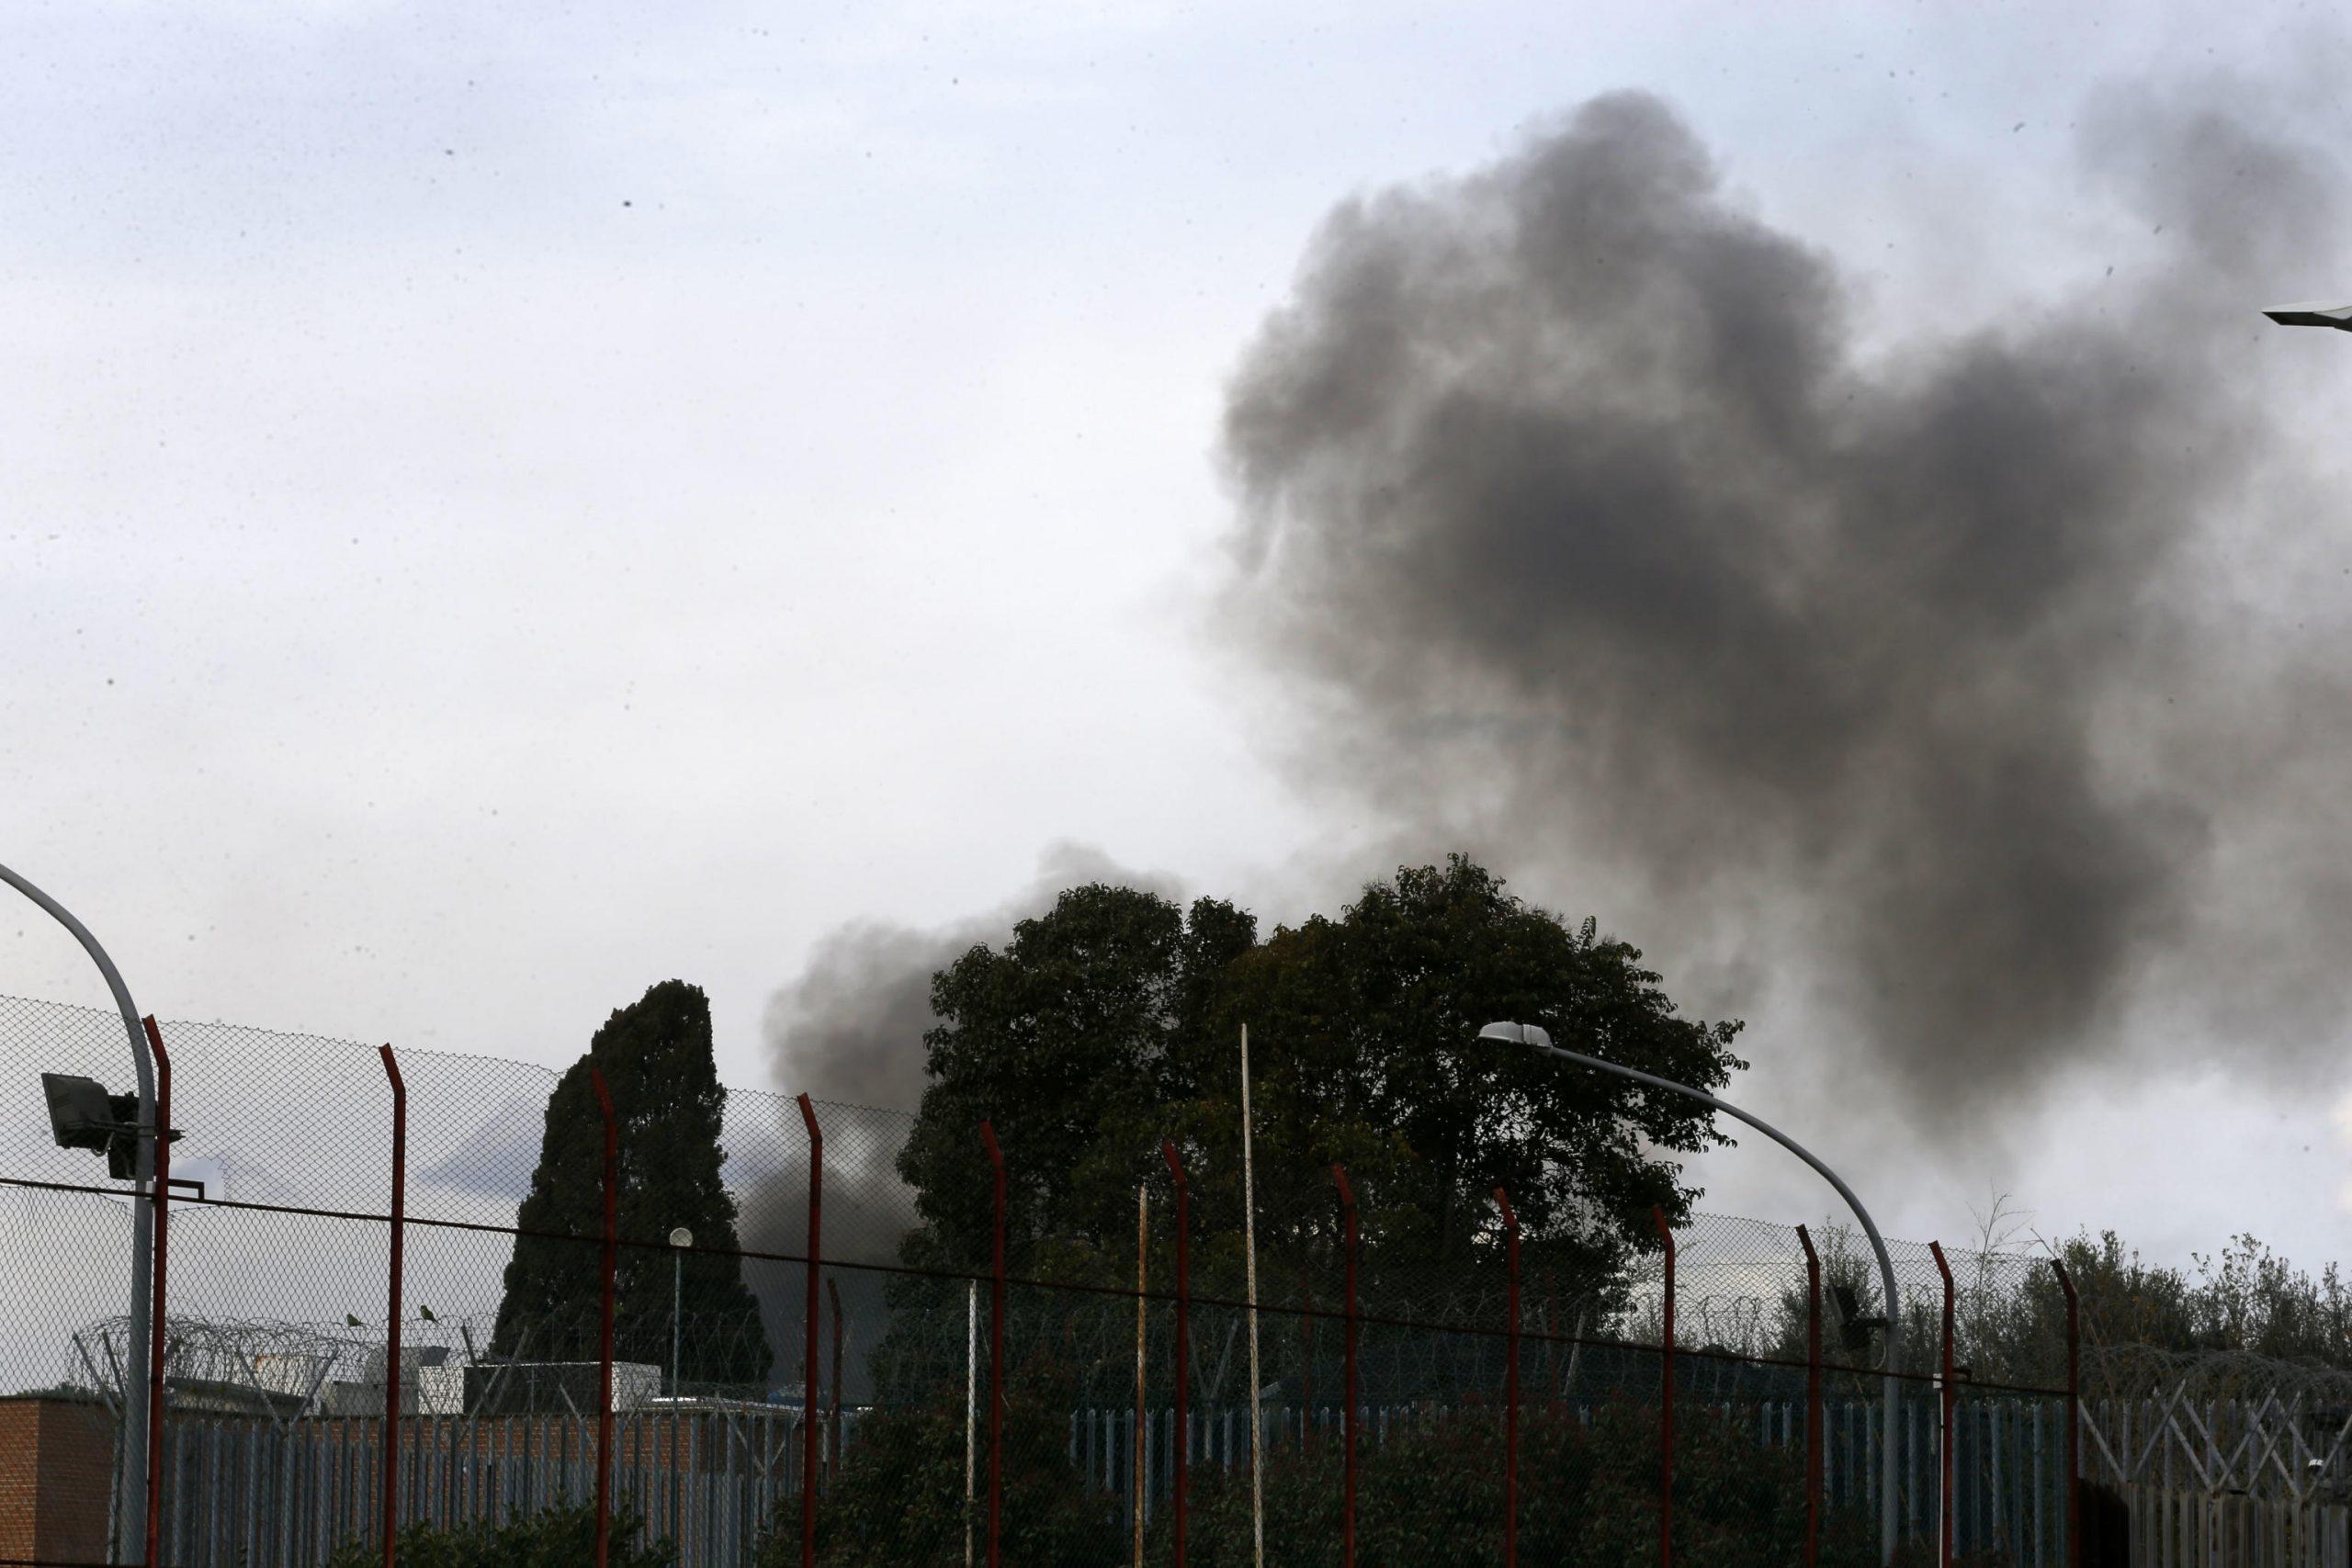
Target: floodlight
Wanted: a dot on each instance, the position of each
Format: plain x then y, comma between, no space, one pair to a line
80,1114
2314,313
1517,1033
682,1236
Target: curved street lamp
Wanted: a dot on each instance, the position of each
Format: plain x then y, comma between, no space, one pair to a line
1538,1037
2312,314
131,1483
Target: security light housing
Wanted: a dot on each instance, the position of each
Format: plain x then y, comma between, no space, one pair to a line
2314,313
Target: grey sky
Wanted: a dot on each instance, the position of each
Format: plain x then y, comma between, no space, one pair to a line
498,508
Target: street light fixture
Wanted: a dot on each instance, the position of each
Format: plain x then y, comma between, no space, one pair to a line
1536,1037
680,1239
2312,314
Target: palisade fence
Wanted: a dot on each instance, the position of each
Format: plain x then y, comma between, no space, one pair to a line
927,1381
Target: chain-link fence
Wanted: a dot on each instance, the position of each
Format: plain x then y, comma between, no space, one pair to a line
938,1375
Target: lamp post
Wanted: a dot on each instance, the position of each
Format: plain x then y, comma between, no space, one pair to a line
681,1238
1539,1039
131,1481
2312,314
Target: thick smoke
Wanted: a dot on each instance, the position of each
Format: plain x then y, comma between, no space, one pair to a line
1577,516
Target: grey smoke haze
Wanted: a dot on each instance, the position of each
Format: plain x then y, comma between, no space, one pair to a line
1579,516
851,1027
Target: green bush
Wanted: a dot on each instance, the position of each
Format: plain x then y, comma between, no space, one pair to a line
561,1538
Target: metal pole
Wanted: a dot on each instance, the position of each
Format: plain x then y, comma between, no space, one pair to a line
996,1354
391,1456
971,1400
1943,1508
1890,1476
808,1343
834,1421
677,1310
605,1325
1250,1261
131,1476
162,1144
1183,1327
1665,1409
1348,1415
1812,1400
2074,1418
1510,1388
1143,1241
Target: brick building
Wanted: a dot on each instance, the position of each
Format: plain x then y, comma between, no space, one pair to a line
56,1472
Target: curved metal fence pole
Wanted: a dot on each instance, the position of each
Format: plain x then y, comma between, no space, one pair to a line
996,1352
162,1146
390,1459
1890,1475
2074,1418
1184,1330
1943,1510
1666,1406
808,1442
131,1474
1811,1399
1348,1376
605,1324
1510,1387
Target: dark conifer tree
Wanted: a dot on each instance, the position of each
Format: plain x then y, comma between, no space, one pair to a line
656,1058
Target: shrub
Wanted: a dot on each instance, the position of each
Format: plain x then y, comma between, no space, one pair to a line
561,1538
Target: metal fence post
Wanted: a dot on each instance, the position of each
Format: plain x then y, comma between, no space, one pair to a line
1183,1327
1348,1413
1944,1509
391,1449
1811,1399
1510,1388
2074,1418
996,1350
809,1338
1665,1411
163,1141
605,1325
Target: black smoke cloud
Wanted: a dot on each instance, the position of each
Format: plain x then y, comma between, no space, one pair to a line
1578,515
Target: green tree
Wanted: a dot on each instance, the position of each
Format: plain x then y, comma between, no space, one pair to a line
1110,1023
656,1059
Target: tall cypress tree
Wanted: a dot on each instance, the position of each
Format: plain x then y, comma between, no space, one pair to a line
656,1058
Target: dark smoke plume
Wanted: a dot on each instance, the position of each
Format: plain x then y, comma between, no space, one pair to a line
1577,516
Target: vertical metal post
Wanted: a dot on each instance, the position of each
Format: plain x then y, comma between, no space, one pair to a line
834,1421
605,1320
971,1392
809,1339
162,1197
2074,1418
130,1463
1510,1388
1812,1400
1348,1239
391,1449
1142,1479
1944,1505
1183,1328
1665,1408
996,1351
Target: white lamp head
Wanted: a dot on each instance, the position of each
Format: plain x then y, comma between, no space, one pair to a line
682,1236
1517,1033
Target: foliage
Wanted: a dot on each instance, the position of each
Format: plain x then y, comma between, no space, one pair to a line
1110,1023
561,1538
656,1059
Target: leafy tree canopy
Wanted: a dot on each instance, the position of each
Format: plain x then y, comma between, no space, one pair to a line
1110,1022
656,1059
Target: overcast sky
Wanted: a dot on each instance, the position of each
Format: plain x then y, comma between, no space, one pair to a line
500,506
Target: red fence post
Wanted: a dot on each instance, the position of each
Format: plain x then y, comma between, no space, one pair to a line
1666,1412
833,1423
1183,1328
1510,1389
605,1326
392,1454
809,1341
2074,1418
1943,1508
163,1200
1348,1415
1811,1399
996,1351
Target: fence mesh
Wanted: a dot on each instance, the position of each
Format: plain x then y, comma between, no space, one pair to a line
1414,1417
